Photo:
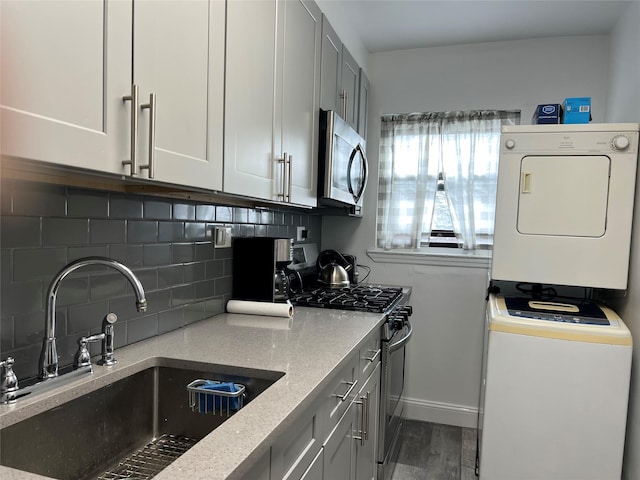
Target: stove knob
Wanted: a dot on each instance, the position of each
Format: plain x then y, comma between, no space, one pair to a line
397,324
408,309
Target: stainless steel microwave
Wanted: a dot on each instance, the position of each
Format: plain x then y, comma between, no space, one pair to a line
343,167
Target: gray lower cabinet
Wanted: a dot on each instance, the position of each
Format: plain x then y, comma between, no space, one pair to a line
336,437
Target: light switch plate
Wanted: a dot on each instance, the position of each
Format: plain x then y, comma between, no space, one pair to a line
222,237
302,234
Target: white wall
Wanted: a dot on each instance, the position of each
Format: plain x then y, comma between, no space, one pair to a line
444,357
623,105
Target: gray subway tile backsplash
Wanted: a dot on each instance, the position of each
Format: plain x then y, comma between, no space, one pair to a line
65,231
20,232
166,242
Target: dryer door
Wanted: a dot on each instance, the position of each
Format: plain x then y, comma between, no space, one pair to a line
563,195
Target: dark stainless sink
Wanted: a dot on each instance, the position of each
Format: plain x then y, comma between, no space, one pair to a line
133,427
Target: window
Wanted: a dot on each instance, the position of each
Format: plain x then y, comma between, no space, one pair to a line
438,174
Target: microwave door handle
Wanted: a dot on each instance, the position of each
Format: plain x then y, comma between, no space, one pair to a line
365,168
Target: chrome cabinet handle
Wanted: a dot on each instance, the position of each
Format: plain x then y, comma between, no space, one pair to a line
152,133
344,95
283,184
375,355
289,182
133,98
352,385
364,419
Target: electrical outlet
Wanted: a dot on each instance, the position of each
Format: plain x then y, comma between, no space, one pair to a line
222,237
302,234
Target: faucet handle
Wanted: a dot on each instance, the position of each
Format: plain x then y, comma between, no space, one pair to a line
83,357
8,381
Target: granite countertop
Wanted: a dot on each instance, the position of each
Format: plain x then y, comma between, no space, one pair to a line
307,349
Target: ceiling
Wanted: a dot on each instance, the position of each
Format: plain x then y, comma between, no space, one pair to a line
385,25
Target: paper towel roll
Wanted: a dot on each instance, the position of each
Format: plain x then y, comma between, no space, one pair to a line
260,308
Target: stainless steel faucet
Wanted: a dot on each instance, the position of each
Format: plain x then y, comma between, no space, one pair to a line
48,367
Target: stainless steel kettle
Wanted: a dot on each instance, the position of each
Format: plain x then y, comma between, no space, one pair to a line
333,269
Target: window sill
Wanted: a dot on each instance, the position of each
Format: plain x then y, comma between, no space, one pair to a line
442,257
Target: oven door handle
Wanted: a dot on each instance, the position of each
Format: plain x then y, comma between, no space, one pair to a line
403,341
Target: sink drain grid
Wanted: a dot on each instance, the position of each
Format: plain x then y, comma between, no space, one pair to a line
148,461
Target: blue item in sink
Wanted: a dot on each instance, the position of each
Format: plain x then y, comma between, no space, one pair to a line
213,402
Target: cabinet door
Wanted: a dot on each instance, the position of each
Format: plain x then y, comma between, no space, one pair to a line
298,95
314,472
363,104
369,408
350,79
339,459
65,67
330,69
179,57
249,164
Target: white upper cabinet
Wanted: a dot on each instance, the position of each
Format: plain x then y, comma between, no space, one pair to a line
65,68
179,59
271,100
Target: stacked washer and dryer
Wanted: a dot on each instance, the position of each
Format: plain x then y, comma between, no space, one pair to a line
556,367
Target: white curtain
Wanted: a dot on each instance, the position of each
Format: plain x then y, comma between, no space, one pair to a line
414,149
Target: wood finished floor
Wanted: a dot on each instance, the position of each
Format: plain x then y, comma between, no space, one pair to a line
430,451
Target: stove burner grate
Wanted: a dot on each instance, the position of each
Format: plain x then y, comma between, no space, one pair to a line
368,298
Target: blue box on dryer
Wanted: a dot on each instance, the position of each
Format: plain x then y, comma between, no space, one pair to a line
577,110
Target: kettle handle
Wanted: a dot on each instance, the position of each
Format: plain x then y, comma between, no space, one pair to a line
332,255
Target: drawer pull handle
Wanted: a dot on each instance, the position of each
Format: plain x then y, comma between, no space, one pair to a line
375,355
352,385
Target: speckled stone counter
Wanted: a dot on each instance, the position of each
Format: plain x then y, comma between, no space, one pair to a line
307,349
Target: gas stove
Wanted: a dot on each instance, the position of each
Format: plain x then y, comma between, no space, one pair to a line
367,298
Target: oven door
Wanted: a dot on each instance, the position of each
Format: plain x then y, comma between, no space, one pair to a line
391,409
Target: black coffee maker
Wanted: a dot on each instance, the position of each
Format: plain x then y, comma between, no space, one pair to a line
259,268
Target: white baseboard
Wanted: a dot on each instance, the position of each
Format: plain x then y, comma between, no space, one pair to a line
445,413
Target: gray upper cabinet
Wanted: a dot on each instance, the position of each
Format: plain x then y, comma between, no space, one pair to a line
331,69
340,78
67,67
363,103
350,85
271,100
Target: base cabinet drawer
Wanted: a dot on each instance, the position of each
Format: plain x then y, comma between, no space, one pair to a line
370,353
341,392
